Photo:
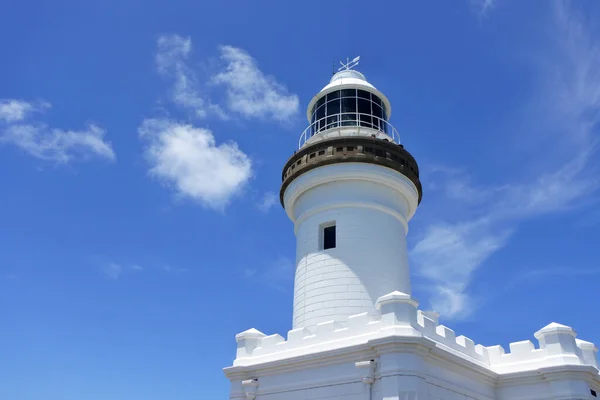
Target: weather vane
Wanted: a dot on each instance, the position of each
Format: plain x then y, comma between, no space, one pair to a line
349,64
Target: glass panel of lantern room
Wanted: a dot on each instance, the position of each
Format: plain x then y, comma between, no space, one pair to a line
364,112
348,92
348,111
377,116
333,109
364,94
320,102
385,125
320,123
376,100
333,95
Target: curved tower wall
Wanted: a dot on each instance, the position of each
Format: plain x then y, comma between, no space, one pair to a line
370,206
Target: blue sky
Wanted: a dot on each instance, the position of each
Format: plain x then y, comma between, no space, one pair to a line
141,145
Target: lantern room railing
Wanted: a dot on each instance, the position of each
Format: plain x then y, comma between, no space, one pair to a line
349,124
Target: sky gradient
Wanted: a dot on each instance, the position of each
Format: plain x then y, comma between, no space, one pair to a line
141,147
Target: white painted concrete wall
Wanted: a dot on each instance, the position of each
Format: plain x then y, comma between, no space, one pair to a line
428,381
370,258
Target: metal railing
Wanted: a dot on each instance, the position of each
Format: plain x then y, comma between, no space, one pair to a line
368,122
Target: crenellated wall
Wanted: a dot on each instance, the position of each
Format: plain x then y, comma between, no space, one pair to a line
412,356
398,314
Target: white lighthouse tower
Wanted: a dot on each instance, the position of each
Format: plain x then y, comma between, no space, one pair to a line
350,190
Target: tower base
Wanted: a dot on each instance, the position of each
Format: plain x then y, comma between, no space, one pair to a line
404,354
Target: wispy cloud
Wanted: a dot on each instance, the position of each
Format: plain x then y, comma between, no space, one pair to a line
46,143
249,91
268,201
188,160
173,52
14,110
111,270
170,269
114,271
448,253
482,7
59,145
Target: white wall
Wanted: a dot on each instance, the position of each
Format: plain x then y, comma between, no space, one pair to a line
344,382
427,382
370,258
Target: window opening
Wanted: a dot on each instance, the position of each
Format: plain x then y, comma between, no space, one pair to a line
329,237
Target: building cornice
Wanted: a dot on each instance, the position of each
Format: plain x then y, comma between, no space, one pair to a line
363,150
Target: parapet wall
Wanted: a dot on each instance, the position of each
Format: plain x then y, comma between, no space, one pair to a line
399,317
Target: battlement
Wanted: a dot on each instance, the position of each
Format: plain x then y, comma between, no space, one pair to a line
557,346
445,336
324,336
399,316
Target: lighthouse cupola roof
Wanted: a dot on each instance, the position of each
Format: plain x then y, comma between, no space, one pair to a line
348,106
348,79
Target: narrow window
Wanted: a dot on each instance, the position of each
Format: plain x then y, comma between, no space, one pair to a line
593,393
329,237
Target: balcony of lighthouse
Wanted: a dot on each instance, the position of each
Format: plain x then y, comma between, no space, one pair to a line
348,112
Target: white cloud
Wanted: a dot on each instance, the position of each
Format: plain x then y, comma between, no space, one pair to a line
58,145
483,7
13,110
169,269
571,81
448,254
250,92
171,58
114,271
46,143
187,159
268,201
111,270
172,54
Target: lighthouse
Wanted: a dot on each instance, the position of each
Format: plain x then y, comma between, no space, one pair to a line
350,191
